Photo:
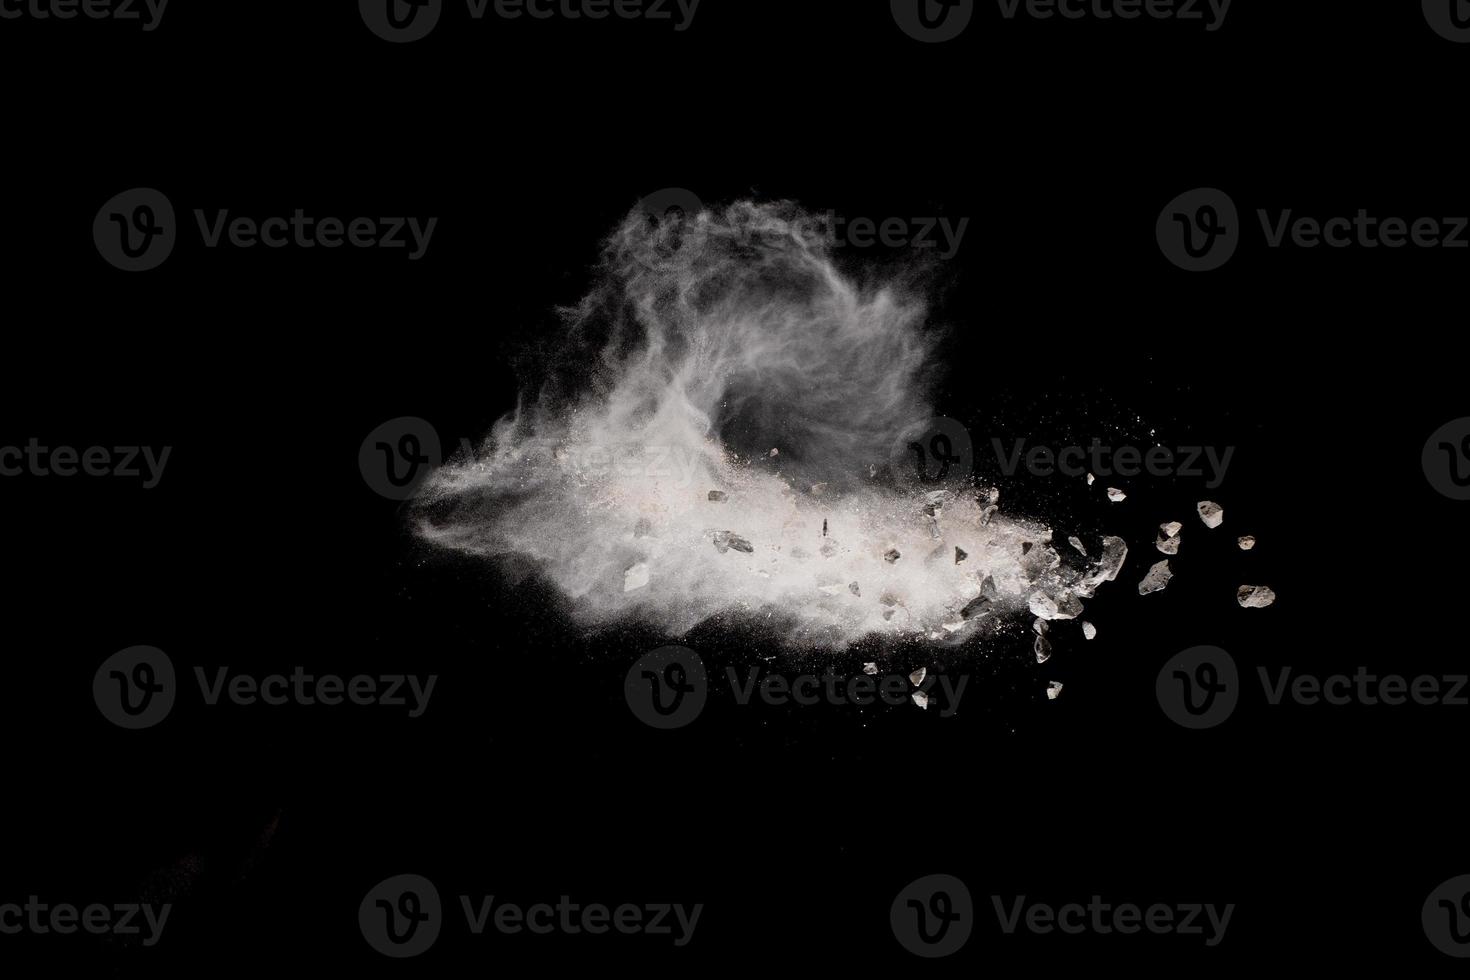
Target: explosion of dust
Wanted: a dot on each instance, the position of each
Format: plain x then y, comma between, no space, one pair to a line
720,433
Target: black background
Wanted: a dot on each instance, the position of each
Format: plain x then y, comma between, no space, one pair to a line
528,779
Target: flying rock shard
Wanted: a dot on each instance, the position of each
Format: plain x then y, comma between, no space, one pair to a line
1255,596
726,540
1211,513
636,577
1157,578
1168,540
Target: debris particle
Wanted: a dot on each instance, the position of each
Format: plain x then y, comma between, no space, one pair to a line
717,496
1043,649
960,554
1088,630
1211,513
870,669
1246,542
1255,596
1063,605
1040,626
1076,542
824,527
892,555
988,589
917,677
921,699
643,528
935,501
888,615
1116,496
635,577
987,513
1114,553
974,607
1168,541
1026,547
1053,689
853,588
1171,530
725,540
1091,479
1157,578
774,453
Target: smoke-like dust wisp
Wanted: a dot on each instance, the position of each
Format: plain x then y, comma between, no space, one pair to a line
721,432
